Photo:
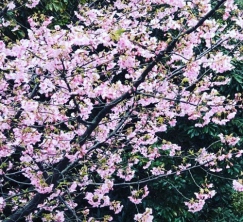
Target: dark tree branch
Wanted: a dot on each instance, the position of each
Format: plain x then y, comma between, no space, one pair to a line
3,12
39,198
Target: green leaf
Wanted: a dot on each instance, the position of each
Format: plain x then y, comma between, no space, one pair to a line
115,35
238,78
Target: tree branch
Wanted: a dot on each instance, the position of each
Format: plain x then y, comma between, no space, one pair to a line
39,198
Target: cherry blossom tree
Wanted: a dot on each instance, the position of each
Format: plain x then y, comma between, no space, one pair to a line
83,109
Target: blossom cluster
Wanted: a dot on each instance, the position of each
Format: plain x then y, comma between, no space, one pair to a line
197,205
85,108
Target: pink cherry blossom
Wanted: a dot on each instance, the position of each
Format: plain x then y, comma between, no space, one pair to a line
11,5
145,217
88,108
195,206
2,204
237,186
138,195
59,217
32,3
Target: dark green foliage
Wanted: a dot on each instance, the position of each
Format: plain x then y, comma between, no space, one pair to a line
239,3
62,12
167,196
